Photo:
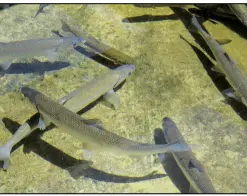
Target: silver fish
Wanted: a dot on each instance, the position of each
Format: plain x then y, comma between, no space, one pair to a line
92,137
240,10
190,166
48,47
225,64
75,101
101,85
170,165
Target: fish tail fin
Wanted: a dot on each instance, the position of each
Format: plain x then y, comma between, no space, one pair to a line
66,28
5,156
194,25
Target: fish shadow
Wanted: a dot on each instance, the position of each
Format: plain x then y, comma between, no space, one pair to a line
150,18
231,22
92,55
219,81
235,25
170,165
76,168
97,58
185,18
41,68
35,67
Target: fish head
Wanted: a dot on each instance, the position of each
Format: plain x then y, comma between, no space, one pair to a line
124,72
168,124
30,94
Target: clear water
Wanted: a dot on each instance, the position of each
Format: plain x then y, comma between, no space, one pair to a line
171,80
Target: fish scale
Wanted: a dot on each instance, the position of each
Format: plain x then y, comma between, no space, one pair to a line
75,101
191,167
93,137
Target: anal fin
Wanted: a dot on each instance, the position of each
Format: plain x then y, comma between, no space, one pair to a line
112,98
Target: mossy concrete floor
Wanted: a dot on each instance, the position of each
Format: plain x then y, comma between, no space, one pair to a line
169,81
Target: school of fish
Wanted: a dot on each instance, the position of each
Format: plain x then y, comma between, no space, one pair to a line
175,155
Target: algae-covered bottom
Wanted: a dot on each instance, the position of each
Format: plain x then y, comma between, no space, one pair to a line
169,80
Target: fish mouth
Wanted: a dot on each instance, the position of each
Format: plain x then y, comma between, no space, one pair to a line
29,93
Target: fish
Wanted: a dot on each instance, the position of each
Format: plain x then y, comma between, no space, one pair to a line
41,9
101,85
191,167
240,10
48,47
170,165
100,48
74,101
93,138
225,64
213,12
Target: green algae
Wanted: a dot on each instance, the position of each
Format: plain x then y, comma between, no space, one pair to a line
169,81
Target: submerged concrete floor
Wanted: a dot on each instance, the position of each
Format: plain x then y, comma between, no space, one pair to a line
169,81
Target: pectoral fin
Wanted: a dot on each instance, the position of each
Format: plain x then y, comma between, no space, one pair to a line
216,69
95,123
43,122
5,65
223,41
112,98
